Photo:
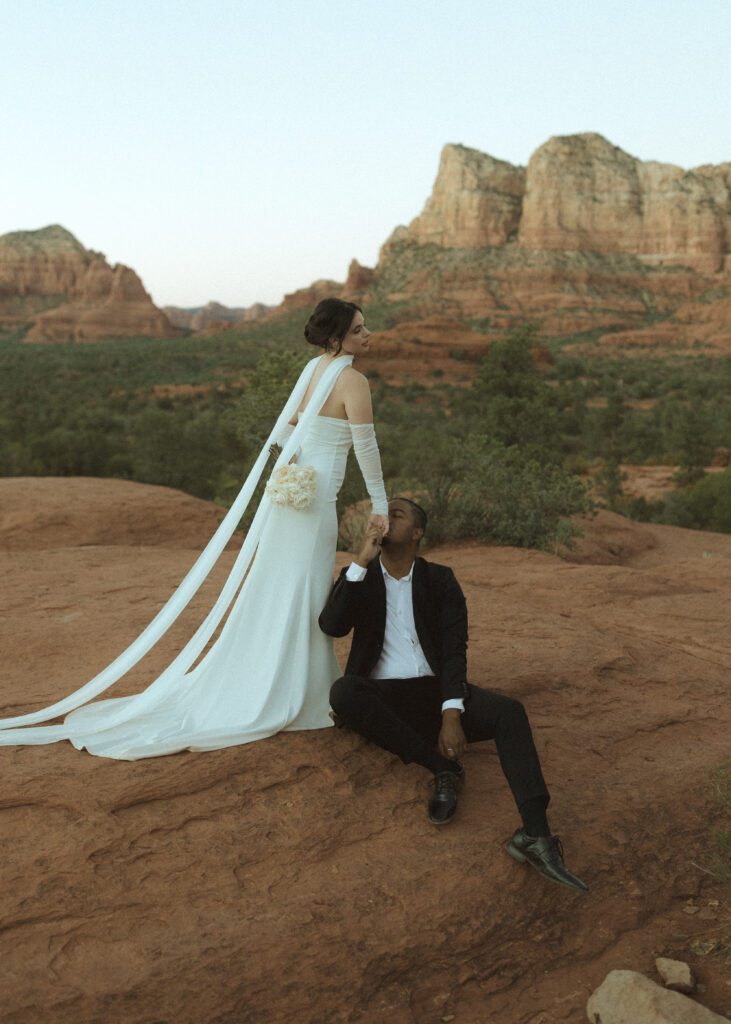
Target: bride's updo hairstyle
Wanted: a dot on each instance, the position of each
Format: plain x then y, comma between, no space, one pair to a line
329,324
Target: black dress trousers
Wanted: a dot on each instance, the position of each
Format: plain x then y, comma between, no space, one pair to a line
404,716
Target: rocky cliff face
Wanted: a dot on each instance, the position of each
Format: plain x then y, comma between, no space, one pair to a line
586,238
476,201
48,279
582,193
579,194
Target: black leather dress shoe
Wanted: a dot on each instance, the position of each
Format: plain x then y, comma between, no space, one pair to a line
545,854
444,802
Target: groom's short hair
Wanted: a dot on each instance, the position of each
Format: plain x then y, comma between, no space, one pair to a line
417,512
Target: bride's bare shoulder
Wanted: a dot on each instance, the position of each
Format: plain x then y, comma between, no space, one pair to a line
352,379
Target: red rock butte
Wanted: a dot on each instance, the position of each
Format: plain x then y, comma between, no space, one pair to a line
580,193
64,291
585,238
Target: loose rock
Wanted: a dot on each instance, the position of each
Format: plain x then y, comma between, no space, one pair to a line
675,974
625,997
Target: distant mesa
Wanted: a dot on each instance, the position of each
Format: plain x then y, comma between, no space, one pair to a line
202,318
61,291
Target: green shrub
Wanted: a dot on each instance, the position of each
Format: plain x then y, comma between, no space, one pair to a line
508,498
704,506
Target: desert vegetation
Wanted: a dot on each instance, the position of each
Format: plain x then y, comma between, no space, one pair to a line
503,457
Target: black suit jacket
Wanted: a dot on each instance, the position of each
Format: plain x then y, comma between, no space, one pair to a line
440,616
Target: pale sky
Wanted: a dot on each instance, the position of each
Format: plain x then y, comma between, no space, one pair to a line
239,150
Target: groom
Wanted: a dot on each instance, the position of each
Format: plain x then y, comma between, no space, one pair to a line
405,686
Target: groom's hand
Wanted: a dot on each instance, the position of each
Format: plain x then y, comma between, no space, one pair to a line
452,740
370,546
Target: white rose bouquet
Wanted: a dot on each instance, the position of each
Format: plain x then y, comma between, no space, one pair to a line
293,485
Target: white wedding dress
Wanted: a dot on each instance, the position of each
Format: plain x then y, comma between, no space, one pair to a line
271,667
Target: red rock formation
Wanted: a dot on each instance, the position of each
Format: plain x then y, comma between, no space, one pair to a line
89,300
297,879
214,313
59,512
307,298
580,193
358,280
476,202
584,194
428,350
589,237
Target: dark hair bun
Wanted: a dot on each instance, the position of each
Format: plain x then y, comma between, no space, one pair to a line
330,322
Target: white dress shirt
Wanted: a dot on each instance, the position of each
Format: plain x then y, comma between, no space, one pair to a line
402,656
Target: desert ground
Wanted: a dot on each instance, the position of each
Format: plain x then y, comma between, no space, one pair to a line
297,879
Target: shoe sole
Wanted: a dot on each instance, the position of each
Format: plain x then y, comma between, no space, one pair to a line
516,854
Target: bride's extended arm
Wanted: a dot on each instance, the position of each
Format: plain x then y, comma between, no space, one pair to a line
359,411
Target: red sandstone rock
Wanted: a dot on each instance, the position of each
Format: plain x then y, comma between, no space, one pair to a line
214,313
297,879
37,513
476,201
588,237
583,193
307,298
428,350
99,301
580,194
358,280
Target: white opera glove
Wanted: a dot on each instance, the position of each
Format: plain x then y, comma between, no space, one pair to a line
366,451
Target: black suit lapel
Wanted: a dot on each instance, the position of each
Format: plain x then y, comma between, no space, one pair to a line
377,597
421,597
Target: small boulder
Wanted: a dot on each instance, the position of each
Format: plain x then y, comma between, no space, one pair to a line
625,997
675,974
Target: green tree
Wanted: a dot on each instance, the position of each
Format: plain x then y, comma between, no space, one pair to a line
267,390
514,403
509,498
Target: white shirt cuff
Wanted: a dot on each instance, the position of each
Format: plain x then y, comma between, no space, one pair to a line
355,573
455,702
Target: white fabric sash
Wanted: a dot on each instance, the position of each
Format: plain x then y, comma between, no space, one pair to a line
194,579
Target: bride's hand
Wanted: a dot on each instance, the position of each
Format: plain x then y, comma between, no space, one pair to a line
380,523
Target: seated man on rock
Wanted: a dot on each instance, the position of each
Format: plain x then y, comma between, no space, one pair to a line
405,686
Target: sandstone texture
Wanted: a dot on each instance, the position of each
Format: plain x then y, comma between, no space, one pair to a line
358,280
583,193
626,997
586,239
580,193
60,512
675,974
298,879
476,201
63,291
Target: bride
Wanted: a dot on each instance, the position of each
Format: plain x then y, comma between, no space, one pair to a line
271,668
